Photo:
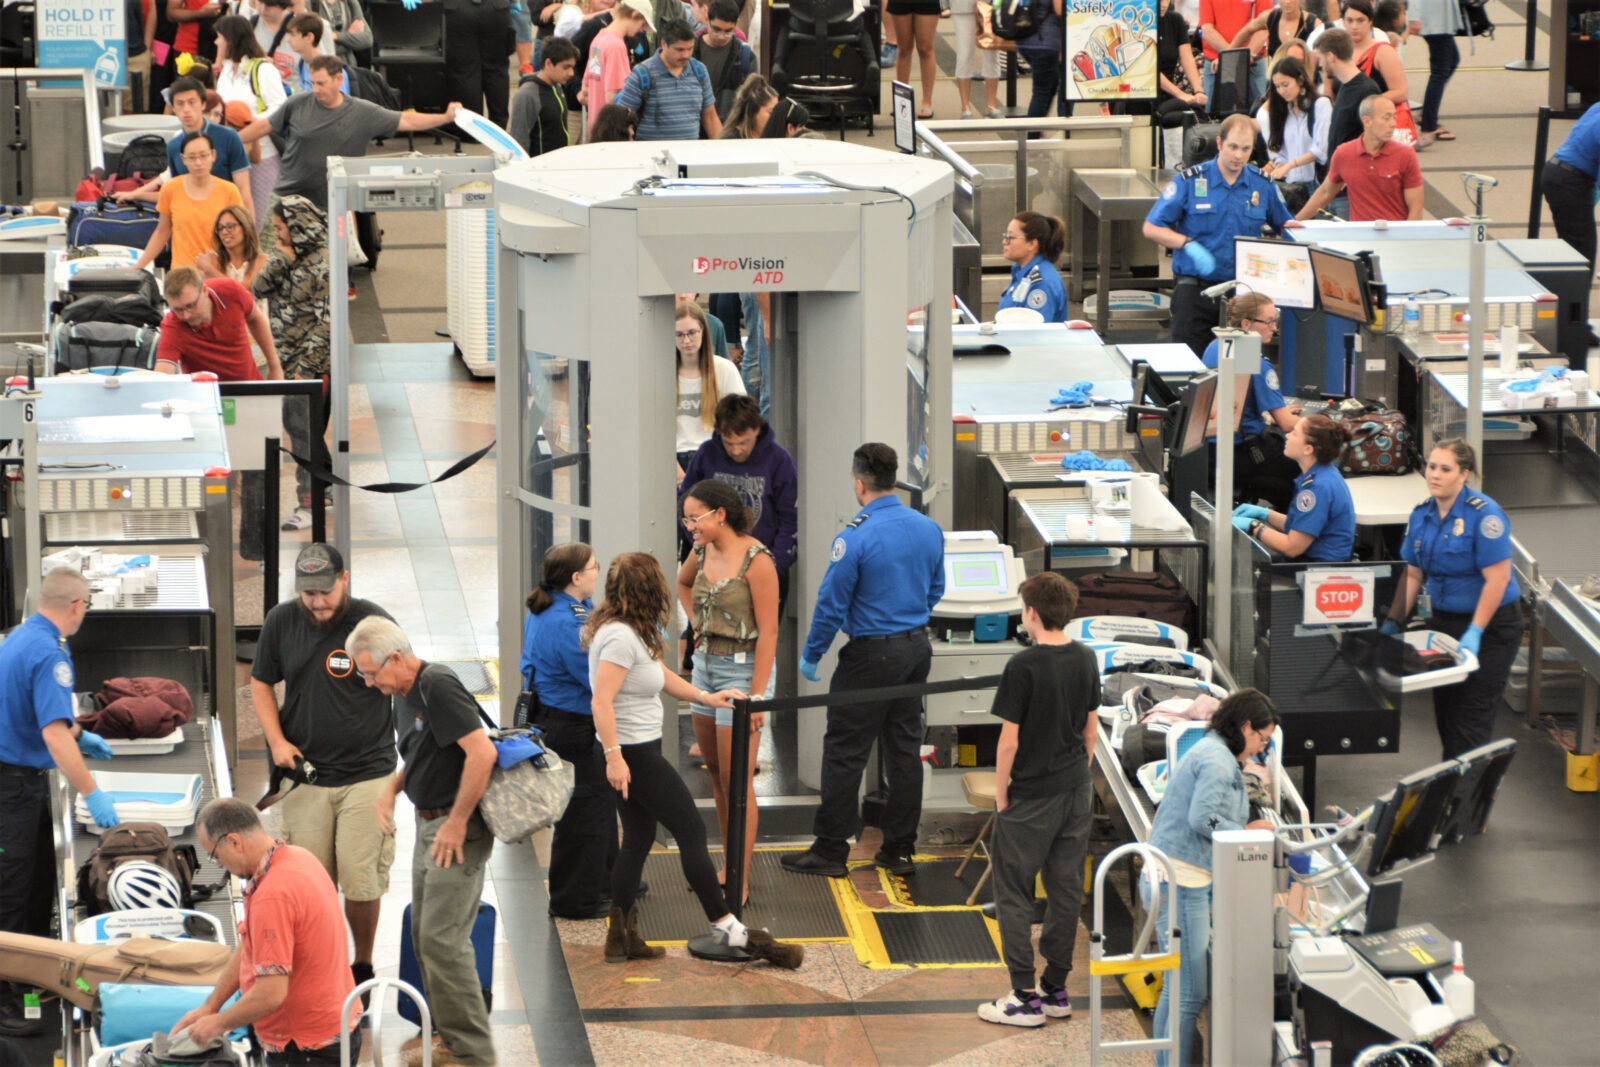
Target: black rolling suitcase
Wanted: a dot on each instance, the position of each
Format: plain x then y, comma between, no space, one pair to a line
114,282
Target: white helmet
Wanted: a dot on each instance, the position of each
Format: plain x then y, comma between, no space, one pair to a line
142,884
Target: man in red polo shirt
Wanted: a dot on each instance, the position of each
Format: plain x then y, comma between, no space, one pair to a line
210,327
1383,175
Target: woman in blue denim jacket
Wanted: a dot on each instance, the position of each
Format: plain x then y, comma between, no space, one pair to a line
1206,793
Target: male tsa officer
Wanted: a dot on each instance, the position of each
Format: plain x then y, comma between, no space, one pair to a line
37,732
1199,214
887,574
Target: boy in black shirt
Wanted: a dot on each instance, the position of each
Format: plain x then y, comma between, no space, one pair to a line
539,109
1048,696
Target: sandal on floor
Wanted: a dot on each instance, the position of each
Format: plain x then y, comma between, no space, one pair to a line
925,114
1442,134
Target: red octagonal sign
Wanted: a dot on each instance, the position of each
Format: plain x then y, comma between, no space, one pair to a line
1339,598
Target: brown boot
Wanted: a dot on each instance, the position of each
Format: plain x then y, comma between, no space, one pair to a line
763,946
623,940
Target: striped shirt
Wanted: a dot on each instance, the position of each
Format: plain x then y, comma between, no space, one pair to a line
668,105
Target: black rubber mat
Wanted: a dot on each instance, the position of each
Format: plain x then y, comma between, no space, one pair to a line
911,937
789,905
935,884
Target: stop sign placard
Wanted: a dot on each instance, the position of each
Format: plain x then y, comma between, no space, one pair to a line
1338,596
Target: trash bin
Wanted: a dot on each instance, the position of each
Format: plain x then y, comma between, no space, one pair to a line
998,200
142,123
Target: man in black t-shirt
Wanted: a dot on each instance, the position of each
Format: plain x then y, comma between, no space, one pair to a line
448,759
1338,52
339,726
1047,697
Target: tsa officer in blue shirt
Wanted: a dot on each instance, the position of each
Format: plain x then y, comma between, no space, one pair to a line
555,667
1458,547
1199,214
38,732
1320,524
1033,243
1260,467
1568,183
887,573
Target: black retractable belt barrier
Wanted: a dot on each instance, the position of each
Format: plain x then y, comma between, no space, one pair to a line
325,473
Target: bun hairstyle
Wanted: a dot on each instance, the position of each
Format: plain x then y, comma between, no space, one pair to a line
1049,231
1465,457
1246,306
714,495
561,564
1326,437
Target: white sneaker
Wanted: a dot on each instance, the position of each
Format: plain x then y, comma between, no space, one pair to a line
1009,1011
995,113
299,520
968,114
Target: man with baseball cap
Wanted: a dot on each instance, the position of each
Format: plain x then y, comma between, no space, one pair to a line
331,733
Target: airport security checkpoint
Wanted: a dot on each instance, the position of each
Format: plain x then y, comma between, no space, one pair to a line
1238,717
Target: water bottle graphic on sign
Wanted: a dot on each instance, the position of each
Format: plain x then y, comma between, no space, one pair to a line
107,67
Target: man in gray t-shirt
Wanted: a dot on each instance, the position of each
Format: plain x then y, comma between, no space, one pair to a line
325,122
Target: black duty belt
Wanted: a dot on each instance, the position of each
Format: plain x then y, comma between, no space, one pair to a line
17,770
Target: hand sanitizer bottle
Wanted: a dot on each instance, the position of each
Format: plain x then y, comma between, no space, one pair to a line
1460,992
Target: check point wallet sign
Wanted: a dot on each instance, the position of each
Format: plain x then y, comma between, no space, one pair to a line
751,270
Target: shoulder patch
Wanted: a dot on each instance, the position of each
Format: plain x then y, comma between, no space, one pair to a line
1036,299
856,522
1191,172
1476,502
838,548
579,611
1270,373
1306,500
1492,526
1170,191
63,674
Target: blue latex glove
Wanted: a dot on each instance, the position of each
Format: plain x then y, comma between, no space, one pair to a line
809,669
1471,639
1075,395
94,746
1390,628
100,806
411,5
1242,523
1204,262
1251,511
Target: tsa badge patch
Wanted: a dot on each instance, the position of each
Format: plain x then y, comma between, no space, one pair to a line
1036,299
63,674
1305,501
1492,526
838,549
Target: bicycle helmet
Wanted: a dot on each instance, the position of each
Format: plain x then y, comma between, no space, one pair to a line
142,884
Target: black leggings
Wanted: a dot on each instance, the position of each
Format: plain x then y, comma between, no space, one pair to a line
656,794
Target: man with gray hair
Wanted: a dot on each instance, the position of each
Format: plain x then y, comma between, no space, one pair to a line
1383,176
292,965
448,758
38,732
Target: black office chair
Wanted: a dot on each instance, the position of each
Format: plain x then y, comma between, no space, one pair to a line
845,79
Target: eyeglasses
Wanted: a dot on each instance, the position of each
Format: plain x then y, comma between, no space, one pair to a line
1008,236
691,521
184,309
687,335
222,226
372,675
1273,322
215,845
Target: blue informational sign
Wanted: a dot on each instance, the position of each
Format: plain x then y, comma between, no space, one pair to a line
84,35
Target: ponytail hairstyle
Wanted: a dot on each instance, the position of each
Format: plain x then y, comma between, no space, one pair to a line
1326,437
1049,231
1246,306
754,94
561,565
1464,455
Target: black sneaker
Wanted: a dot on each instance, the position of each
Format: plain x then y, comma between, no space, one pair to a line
809,862
894,863
1055,1003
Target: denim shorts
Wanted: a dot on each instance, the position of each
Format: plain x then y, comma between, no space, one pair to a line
713,673
521,21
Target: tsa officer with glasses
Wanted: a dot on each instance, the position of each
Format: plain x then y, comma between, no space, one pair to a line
1459,578
1260,467
37,733
1033,243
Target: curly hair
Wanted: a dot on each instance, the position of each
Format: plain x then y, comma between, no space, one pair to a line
636,594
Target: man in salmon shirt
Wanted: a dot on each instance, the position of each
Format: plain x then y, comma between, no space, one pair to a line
292,966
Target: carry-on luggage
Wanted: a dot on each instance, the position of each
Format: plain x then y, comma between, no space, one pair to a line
1143,594
116,281
103,346
482,945
107,222
75,971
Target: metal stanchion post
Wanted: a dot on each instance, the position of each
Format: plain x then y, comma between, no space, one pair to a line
269,534
1527,62
707,946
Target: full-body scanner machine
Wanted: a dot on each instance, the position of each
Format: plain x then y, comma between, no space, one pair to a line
595,241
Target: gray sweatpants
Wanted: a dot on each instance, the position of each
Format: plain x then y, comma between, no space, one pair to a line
1048,836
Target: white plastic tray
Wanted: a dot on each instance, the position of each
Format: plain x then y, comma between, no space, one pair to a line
1153,780
1111,655
146,746
1108,712
169,799
1425,640
1116,628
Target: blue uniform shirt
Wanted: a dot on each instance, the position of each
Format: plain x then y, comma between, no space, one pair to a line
1322,508
1582,146
551,649
1199,203
1454,550
1037,284
35,690
1266,394
887,574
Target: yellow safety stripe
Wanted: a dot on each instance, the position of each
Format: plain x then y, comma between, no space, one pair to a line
1169,962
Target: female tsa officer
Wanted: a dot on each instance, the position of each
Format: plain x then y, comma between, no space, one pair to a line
1458,545
1260,467
1320,525
1033,243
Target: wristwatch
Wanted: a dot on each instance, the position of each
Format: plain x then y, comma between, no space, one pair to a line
1255,528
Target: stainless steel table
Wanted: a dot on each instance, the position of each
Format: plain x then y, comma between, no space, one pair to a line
1115,195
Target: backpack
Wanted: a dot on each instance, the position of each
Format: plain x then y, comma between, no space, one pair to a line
370,85
253,67
697,68
129,309
136,841
1015,20
144,158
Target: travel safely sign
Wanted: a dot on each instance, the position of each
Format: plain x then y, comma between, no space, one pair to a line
83,35
1338,596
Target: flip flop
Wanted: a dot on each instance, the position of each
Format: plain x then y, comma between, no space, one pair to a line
1442,134
928,114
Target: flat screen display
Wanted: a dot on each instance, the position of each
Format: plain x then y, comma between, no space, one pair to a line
976,573
1277,269
1342,285
1197,406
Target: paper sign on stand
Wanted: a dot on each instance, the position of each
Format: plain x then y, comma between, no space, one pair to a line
84,35
1337,596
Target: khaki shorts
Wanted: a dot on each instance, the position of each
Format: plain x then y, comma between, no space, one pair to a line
339,825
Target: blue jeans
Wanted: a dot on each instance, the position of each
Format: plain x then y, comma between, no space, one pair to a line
757,367
1443,59
716,673
1046,64
521,21
1194,925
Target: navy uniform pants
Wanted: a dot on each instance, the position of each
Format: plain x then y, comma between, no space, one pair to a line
1465,712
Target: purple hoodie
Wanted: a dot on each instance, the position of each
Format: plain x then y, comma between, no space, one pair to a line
768,484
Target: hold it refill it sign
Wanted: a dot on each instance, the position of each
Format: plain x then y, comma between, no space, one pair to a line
82,35
1336,595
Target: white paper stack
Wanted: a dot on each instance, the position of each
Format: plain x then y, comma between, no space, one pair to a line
169,799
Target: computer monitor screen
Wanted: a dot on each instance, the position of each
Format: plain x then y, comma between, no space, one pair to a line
1405,823
1198,400
1342,285
976,573
1277,269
